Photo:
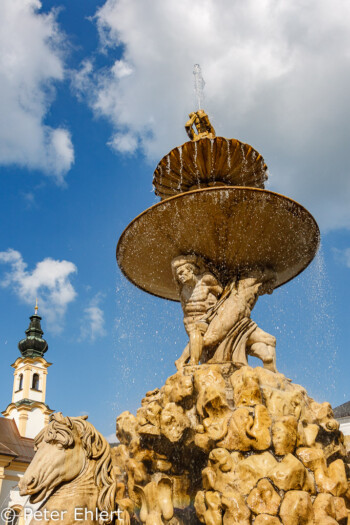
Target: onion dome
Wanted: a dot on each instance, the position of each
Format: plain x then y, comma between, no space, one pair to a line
33,345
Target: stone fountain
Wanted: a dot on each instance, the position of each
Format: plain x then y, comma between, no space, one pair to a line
220,442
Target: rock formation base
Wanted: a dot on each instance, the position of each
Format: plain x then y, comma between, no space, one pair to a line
223,446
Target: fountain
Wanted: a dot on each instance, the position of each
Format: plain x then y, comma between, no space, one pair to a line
221,442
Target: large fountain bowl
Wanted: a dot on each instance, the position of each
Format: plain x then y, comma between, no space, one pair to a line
233,228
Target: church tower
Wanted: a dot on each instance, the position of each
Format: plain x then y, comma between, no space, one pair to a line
28,407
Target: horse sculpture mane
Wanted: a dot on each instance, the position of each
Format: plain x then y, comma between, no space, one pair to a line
63,432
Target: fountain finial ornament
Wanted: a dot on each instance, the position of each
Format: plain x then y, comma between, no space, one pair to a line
204,129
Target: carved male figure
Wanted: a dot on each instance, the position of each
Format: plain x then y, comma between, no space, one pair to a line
201,121
219,321
199,291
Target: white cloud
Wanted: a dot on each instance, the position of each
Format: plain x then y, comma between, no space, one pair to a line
93,323
342,256
125,143
49,281
277,76
31,62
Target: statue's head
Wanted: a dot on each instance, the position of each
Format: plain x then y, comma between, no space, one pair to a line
186,267
264,275
67,448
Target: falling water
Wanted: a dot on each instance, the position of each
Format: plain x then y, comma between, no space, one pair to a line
195,161
244,160
228,154
141,329
198,85
168,164
301,314
160,173
179,149
323,331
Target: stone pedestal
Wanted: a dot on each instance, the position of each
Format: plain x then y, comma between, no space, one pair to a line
223,446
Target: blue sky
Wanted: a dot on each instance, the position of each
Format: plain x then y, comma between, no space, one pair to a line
92,95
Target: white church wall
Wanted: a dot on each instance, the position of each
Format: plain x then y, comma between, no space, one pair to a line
11,498
36,421
14,415
35,395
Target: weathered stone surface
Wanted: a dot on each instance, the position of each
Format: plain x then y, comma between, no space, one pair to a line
173,422
341,513
330,479
253,468
324,509
266,519
235,509
333,479
296,509
148,417
284,435
307,434
246,387
248,429
247,446
289,474
178,388
156,501
263,499
219,475
312,458
240,422
208,507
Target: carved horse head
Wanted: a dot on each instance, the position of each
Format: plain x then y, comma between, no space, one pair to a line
70,449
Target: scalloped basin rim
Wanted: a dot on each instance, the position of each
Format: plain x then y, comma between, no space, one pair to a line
205,161
233,227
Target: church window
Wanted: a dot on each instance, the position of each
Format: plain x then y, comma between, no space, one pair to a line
20,382
35,382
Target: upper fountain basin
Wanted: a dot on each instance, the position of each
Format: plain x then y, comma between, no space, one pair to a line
209,162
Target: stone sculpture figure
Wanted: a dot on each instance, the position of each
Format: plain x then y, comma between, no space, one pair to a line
201,121
199,293
218,321
71,458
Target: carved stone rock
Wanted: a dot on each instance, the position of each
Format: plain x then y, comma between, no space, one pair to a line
284,435
296,509
242,446
264,499
266,519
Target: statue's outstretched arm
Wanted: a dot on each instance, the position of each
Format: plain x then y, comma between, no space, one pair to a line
189,124
228,313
